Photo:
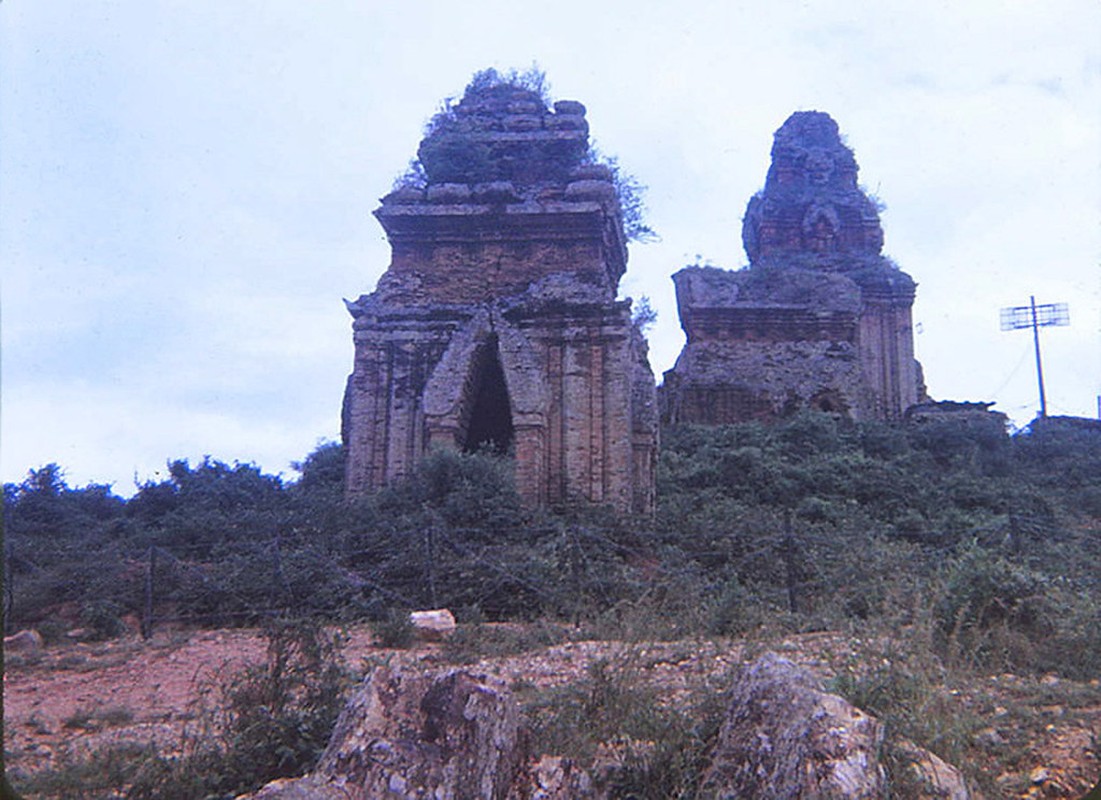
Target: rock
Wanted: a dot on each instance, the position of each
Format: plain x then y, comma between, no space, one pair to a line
939,779
405,194
592,172
523,122
600,191
566,122
556,778
308,788
569,108
784,738
406,734
495,192
449,193
27,642
433,625
990,739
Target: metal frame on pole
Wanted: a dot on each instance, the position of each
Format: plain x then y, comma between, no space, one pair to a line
1036,317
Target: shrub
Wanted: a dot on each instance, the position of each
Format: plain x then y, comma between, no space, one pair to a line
1074,647
395,629
102,619
472,642
647,749
991,611
99,774
270,721
95,718
903,684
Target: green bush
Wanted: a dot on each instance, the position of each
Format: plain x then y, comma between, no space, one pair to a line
270,721
102,619
651,750
395,629
92,776
992,612
840,521
1073,648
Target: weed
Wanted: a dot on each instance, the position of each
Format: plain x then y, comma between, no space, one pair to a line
90,776
52,630
39,725
898,679
17,661
74,661
395,630
267,722
471,643
95,718
616,725
102,619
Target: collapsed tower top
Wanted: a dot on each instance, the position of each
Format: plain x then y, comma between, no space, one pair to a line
509,193
505,133
811,208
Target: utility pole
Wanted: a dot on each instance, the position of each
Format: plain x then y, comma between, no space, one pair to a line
1039,365
1036,317
147,612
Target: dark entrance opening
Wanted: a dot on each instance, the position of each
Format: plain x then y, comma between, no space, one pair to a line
490,423
830,402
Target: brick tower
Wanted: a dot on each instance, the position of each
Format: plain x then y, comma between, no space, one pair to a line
496,324
819,319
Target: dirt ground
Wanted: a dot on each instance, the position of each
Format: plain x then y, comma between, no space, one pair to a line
77,696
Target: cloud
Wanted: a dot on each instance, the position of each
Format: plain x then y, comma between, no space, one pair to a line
187,188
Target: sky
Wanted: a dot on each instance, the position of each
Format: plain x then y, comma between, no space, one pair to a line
186,189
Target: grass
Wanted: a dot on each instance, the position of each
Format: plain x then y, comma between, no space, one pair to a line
989,726
616,724
265,722
89,776
644,735
96,718
473,642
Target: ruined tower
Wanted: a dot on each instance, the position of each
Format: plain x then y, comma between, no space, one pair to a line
497,324
819,319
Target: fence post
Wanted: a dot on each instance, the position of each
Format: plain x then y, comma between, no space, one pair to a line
280,578
9,589
147,614
789,550
430,563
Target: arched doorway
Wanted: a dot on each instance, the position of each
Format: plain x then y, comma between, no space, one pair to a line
489,424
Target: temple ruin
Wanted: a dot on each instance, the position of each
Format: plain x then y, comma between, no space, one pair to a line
820,319
496,325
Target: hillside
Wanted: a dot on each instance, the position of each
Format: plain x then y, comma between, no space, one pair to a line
955,564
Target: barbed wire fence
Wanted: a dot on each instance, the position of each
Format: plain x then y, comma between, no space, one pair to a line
243,582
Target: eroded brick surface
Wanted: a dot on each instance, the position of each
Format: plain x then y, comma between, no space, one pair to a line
497,321
819,319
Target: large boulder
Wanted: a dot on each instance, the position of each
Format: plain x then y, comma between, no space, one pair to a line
412,734
408,735
785,739
937,779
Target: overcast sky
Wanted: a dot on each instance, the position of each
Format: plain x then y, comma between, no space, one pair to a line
186,189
